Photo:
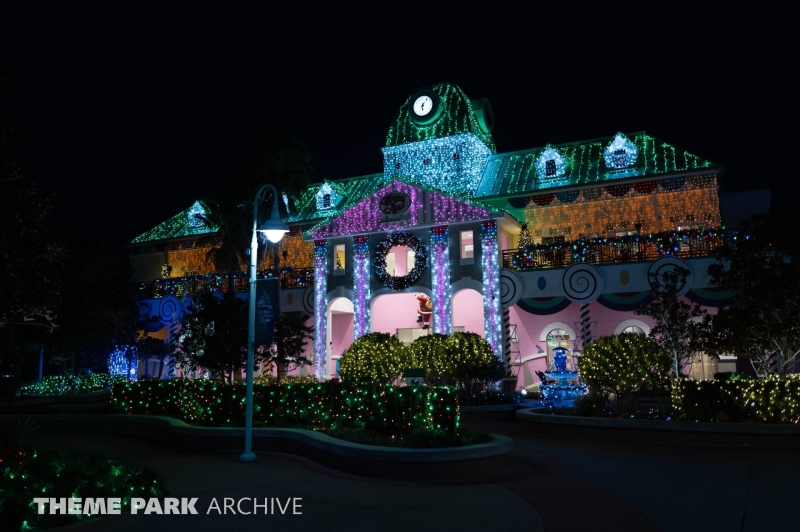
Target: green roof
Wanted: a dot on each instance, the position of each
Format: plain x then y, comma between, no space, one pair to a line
185,223
515,173
457,117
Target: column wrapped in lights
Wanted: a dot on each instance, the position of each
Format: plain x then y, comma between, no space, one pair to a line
320,305
440,279
361,279
492,320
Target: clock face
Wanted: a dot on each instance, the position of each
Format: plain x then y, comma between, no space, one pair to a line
423,105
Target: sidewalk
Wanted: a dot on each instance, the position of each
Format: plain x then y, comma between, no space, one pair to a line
551,485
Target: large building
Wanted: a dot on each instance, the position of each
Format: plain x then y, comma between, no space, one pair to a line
535,249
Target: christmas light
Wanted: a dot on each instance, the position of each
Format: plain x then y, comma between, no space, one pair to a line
320,306
383,248
123,361
326,197
66,385
620,152
551,164
492,322
361,282
440,279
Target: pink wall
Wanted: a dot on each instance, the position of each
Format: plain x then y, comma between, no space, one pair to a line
400,260
468,311
394,311
341,333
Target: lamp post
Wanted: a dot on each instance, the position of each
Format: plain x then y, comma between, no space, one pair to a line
274,228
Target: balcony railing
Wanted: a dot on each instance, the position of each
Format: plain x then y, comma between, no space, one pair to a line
217,282
629,248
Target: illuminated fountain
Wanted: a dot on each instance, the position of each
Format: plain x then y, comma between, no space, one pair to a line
561,393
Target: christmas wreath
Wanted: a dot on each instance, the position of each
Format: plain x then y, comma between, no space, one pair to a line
420,260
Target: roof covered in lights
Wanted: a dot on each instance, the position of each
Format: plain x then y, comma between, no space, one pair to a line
188,222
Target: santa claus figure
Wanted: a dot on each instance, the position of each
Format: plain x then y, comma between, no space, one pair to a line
425,310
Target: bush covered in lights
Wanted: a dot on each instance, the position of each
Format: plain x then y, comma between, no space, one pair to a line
386,409
773,399
624,364
461,359
375,357
30,473
60,385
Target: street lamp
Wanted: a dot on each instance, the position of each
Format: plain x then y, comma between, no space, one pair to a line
274,229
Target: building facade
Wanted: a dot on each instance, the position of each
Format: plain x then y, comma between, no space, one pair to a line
535,249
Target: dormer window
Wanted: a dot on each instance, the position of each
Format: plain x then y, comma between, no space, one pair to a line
326,197
551,164
195,216
620,153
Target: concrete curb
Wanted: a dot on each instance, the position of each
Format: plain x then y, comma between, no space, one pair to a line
444,464
671,432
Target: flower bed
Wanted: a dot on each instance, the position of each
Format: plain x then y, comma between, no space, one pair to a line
72,384
386,409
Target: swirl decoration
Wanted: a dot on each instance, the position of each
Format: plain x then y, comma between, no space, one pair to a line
420,260
510,287
169,306
582,283
308,300
657,269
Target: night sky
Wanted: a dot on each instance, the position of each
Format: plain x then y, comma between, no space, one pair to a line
131,112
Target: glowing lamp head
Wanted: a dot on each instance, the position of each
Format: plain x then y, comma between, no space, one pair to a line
274,229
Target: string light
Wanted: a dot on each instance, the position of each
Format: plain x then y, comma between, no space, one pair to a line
440,278
620,152
492,324
122,361
320,306
66,385
361,282
383,248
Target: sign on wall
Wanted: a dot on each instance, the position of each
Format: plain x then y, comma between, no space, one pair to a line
394,206
267,310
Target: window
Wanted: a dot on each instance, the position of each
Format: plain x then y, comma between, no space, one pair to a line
467,247
557,338
326,197
619,158
634,330
326,201
550,168
339,259
409,260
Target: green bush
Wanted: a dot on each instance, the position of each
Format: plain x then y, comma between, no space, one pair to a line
430,353
386,409
30,473
773,399
622,365
375,357
461,359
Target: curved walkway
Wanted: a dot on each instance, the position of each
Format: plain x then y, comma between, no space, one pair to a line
558,485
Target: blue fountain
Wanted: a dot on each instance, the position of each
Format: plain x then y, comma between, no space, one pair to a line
561,393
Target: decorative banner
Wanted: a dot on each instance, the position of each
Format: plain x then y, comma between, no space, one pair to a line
582,283
666,264
267,310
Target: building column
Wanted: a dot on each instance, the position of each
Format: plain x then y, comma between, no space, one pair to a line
361,278
320,306
440,280
492,320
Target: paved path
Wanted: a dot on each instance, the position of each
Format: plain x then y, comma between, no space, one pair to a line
553,485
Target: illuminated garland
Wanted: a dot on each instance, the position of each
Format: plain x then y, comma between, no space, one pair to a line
666,244
361,270
383,249
492,322
123,361
440,280
320,306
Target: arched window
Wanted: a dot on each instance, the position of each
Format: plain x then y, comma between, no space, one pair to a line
557,338
634,330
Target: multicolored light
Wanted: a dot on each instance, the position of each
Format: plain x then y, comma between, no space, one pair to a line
440,278
320,306
361,280
492,321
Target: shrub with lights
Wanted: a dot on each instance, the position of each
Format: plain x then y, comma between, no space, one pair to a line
773,399
622,365
386,409
375,357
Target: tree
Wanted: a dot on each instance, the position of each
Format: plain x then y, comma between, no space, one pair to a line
623,364
277,159
762,266
525,239
215,336
680,327
291,336
375,357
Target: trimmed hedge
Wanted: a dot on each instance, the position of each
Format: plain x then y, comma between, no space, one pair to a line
386,409
375,357
60,385
773,399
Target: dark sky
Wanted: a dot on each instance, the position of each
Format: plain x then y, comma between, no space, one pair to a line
131,111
